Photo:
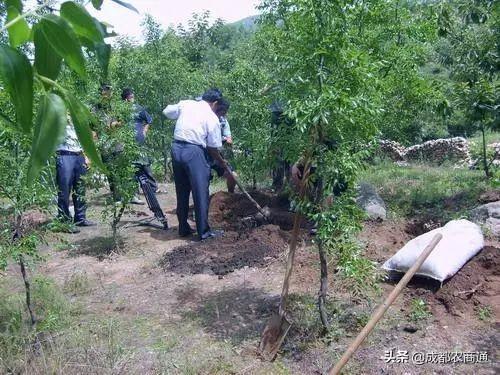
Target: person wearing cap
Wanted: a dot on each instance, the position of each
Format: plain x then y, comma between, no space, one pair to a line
197,135
71,167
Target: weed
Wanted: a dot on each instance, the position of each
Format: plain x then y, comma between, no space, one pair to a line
77,283
419,310
485,313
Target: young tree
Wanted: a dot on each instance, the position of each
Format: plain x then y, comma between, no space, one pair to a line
329,83
471,32
33,48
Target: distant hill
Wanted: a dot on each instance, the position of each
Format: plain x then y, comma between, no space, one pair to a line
248,23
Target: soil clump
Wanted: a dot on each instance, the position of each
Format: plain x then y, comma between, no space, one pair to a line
256,248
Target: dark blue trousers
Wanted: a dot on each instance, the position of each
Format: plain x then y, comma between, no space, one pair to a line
69,172
191,174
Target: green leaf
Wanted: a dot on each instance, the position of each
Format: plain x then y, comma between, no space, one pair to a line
103,53
97,4
83,23
16,4
47,61
49,128
19,32
126,5
17,76
63,39
82,118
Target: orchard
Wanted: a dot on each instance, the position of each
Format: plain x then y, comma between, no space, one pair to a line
335,138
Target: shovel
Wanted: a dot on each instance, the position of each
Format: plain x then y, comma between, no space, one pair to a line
278,326
266,212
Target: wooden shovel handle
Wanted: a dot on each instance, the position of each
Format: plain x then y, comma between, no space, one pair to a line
334,370
293,243
259,208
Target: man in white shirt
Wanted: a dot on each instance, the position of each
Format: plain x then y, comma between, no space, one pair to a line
197,132
71,166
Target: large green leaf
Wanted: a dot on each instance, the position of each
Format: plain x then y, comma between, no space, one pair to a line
19,32
49,128
97,4
83,23
63,39
82,118
18,4
126,5
17,76
47,60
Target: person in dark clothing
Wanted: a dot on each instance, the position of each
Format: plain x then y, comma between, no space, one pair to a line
144,175
197,134
227,141
280,171
71,166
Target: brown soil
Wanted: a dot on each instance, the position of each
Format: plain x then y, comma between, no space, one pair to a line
228,253
477,283
189,320
236,212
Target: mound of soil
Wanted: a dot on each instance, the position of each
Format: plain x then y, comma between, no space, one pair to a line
480,277
256,248
231,211
476,284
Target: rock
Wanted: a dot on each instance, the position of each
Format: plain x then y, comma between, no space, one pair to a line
493,226
490,196
369,200
488,215
435,151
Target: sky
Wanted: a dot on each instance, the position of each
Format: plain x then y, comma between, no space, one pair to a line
170,12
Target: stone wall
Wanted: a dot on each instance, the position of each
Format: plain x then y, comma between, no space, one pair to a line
436,151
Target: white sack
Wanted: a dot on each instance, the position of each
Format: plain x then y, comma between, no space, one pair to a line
461,240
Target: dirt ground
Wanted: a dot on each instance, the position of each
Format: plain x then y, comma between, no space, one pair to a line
199,308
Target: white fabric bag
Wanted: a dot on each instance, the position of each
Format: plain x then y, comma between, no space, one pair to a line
461,240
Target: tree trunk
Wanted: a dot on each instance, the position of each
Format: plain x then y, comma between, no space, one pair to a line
117,215
485,157
323,290
27,290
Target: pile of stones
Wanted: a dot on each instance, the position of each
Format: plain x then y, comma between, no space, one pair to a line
436,151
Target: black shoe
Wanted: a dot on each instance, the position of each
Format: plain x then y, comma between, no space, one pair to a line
212,234
71,229
85,223
187,233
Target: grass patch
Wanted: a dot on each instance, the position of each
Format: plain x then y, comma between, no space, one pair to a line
439,192
485,313
51,310
419,311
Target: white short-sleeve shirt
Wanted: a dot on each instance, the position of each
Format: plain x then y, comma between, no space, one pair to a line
196,123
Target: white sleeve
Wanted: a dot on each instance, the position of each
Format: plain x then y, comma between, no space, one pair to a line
214,137
226,129
172,111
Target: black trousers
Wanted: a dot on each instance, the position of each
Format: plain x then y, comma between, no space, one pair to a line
70,168
191,174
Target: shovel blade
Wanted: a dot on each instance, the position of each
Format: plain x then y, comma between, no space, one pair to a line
273,335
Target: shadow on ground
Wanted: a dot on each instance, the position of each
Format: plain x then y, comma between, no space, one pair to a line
98,247
235,314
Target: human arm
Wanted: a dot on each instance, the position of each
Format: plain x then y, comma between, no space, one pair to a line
226,131
172,111
146,119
